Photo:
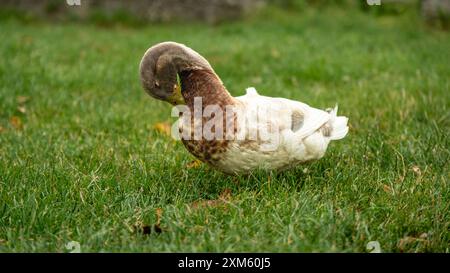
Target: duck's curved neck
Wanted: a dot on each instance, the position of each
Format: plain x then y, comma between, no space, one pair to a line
204,84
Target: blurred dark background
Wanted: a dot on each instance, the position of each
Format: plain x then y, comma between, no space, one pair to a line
139,12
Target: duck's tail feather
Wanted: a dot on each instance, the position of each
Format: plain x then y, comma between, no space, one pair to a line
338,124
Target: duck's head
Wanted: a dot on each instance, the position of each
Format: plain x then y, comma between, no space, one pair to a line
161,65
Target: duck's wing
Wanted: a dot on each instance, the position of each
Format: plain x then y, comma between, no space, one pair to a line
309,119
304,131
296,116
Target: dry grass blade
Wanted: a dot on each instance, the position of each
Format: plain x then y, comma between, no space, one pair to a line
194,164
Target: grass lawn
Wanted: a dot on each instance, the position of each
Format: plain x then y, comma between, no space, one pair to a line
80,159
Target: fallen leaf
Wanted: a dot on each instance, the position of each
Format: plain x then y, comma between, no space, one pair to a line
387,189
194,164
405,241
224,196
21,109
22,99
16,122
163,128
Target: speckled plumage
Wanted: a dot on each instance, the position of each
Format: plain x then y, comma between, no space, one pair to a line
208,86
298,133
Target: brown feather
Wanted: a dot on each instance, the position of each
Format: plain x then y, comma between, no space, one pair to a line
205,84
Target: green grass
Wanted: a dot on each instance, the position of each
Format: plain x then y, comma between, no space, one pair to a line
85,164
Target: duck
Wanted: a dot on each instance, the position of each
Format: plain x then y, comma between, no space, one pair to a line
241,134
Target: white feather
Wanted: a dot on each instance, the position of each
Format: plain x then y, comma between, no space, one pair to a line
293,147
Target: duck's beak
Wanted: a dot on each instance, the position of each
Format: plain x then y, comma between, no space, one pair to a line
176,98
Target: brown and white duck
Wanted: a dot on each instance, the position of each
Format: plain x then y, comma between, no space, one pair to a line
261,132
